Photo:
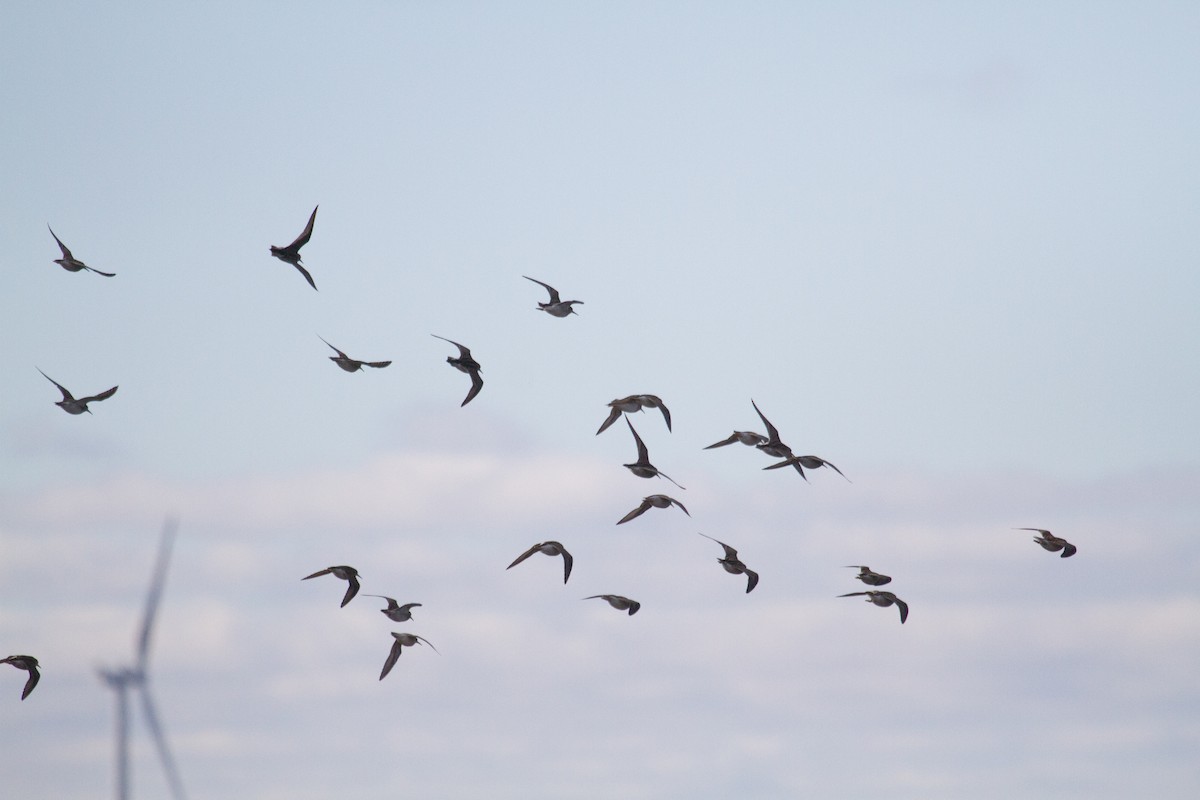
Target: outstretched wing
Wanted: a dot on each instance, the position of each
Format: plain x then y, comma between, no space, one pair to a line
476,385
524,555
393,657
643,453
303,238
772,433
568,562
351,590
637,512
325,571
307,277
612,417
65,252
66,395
752,581
1068,550
903,606
102,396
553,292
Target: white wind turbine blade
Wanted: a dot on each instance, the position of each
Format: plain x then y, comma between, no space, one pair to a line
164,752
156,590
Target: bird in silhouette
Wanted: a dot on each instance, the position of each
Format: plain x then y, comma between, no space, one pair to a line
402,640
350,364
642,467
734,565
774,446
72,264
868,577
30,665
291,253
883,599
394,611
556,307
73,405
550,548
349,574
1053,543
749,438
653,501
632,403
464,363
618,602
809,462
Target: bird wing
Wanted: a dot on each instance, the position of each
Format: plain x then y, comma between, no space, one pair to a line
643,453
752,582
730,553
1068,550
662,474
339,352
732,438
102,396
66,253
568,562
676,502
553,292
634,605
393,657
98,272
303,238
903,606
665,412
325,571
308,277
34,677
426,641
1037,530
637,512
463,352
377,364
66,395
612,417
476,385
351,590
525,555
854,594
772,433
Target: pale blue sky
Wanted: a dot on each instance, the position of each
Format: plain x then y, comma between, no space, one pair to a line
949,247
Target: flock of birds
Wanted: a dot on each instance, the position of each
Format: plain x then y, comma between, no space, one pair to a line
769,444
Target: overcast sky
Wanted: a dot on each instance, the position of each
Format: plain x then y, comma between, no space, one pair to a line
949,248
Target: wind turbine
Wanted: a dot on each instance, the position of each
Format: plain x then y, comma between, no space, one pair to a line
123,679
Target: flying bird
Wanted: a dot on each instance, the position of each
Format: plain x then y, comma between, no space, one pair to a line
550,548
291,253
30,665
773,446
394,611
632,403
73,405
349,574
642,467
653,501
868,577
464,363
350,364
1053,543
402,640
734,565
811,462
883,599
72,264
749,438
618,602
556,307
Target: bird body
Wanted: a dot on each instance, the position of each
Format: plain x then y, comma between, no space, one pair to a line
350,364
549,548
556,307
632,403
642,467
402,640
1053,543
810,462
653,501
72,264
883,599
394,611
734,565
618,602
868,577
348,574
290,254
464,363
77,405
30,665
749,438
